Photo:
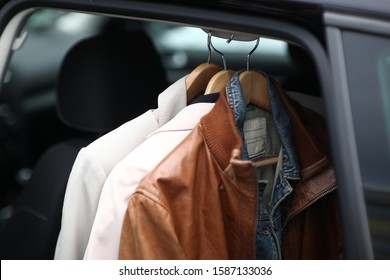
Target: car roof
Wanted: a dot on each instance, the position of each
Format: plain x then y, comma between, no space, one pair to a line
355,6
373,8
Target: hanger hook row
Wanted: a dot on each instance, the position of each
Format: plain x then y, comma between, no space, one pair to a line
210,45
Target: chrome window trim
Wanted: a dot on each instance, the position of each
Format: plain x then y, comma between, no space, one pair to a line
357,23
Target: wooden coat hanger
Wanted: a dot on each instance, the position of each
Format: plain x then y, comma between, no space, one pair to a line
254,88
220,79
254,85
198,79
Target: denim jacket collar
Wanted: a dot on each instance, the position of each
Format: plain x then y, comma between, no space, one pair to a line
290,168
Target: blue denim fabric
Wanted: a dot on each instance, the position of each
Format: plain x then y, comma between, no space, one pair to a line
269,227
238,106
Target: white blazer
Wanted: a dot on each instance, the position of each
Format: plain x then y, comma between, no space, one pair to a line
123,180
95,162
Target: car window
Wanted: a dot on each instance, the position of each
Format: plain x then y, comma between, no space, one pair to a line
384,84
28,119
184,47
29,122
369,87
370,97
27,94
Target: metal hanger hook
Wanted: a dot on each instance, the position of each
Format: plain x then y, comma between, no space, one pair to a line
230,39
250,53
210,43
208,46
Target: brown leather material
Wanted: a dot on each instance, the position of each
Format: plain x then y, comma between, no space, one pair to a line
313,228
200,202
315,233
307,192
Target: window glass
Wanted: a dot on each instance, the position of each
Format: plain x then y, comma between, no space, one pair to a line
29,122
384,83
368,72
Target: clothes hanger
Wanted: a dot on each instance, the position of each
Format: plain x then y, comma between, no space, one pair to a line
220,79
254,85
254,88
198,79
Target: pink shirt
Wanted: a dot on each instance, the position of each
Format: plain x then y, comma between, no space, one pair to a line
122,181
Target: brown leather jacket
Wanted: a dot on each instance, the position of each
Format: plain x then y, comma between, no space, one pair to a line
200,202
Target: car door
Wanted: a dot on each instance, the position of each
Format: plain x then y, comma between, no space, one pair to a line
359,53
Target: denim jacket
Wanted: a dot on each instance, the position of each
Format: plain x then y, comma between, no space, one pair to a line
272,208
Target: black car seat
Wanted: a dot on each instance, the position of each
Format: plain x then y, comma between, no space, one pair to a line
104,82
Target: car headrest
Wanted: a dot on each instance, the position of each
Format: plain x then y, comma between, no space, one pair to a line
109,79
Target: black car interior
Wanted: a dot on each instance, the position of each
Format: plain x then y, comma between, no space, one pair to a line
92,94
96,85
